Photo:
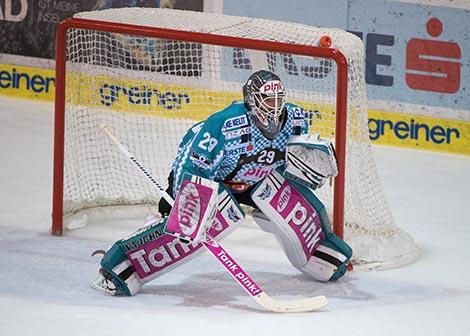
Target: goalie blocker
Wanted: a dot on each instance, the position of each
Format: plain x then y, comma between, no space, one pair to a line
194,208
299,222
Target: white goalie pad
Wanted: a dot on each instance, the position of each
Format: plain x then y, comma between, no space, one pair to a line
300,224
310,160
289,216
194,209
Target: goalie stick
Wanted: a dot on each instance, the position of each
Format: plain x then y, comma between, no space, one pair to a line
237,272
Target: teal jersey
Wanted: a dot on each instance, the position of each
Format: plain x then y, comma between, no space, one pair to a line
229,148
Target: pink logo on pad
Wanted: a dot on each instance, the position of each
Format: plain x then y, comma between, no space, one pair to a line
300,215
186,216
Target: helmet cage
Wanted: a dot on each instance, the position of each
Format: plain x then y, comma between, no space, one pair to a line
266,101
268,108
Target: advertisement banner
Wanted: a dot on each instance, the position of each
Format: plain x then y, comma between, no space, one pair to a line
26,82
178,101
419,132
416,54
417,64
27,27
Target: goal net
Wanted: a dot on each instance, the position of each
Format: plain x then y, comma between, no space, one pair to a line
149,74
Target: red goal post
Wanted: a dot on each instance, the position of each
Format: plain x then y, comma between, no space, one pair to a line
227,41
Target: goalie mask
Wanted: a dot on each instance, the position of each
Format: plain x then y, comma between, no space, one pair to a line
264,95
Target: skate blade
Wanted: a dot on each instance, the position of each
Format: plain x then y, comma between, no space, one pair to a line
104,286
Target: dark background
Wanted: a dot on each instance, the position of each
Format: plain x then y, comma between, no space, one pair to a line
34,35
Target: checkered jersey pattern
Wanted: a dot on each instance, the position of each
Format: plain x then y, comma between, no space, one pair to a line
228,147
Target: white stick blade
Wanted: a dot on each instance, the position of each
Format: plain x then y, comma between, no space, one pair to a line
295,306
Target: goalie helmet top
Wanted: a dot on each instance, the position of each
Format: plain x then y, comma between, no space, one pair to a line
264,96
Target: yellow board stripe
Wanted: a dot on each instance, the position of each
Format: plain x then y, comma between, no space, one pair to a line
419,132
140,97
25,82
146,98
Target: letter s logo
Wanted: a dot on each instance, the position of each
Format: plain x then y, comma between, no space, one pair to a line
433,65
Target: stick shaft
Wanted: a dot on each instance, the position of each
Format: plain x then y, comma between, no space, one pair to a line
161,191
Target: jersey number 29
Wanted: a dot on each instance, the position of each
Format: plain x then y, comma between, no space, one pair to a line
266,156
208,143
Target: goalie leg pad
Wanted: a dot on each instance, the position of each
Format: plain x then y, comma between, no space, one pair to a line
300,224
151,252
289,216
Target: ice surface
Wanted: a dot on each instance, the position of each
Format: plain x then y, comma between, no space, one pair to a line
44,287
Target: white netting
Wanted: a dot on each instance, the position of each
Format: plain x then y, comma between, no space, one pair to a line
149,91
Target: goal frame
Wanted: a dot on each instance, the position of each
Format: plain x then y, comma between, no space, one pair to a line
212,39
